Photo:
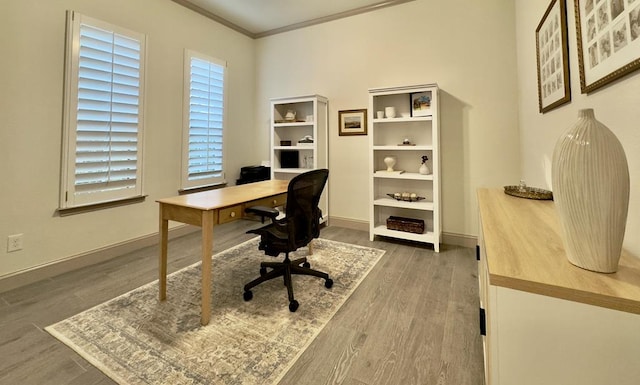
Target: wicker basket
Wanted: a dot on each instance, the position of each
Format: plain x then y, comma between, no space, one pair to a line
409,225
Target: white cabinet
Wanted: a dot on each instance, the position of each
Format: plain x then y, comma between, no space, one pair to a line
299,141
546,320
409,135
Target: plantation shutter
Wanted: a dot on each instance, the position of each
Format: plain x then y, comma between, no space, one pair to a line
105,116
206,86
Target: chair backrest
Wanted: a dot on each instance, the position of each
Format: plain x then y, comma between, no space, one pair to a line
303,213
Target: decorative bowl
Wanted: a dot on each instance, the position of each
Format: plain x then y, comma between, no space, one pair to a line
528,192
406,198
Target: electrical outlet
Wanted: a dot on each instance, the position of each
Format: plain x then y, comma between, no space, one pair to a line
14,242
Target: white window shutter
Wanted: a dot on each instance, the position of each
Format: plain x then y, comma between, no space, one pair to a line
204,121
103,128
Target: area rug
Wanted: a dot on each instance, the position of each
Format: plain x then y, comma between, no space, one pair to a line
136,339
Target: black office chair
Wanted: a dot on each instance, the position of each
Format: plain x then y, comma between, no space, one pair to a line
300,225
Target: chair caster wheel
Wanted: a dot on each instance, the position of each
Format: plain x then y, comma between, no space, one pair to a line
247,295
293,306
263,271
328,283
306,264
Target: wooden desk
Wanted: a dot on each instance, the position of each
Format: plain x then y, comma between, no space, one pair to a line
207,209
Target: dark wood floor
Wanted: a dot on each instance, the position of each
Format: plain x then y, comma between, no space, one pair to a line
413,320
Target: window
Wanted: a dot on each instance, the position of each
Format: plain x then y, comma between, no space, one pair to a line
103,119
203,128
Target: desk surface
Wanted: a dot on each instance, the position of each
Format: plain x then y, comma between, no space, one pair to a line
228,196
524,249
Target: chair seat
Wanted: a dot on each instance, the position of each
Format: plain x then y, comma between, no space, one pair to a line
273,239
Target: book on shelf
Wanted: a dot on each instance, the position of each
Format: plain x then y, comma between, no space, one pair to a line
394,172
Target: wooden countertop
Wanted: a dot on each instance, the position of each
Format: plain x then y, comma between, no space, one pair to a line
524,249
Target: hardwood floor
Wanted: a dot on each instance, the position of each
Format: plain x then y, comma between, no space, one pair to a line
413,320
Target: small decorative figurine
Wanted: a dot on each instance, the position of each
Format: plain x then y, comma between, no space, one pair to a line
290,116
390,161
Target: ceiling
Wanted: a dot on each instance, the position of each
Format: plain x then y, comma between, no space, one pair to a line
259,18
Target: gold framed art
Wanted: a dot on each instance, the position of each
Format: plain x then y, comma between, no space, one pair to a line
352,122
552,55
608,33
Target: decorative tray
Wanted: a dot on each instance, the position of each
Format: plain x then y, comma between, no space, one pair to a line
406,198
528,192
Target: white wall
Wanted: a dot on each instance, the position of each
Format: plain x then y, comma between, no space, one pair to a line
467,47
616,105
32,36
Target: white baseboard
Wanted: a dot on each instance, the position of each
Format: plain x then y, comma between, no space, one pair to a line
349,223
463,240
51,269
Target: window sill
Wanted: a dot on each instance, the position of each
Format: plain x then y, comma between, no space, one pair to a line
63,212
202,188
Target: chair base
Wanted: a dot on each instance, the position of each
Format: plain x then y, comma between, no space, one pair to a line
286,269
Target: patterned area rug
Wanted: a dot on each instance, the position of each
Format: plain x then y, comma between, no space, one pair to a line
136,339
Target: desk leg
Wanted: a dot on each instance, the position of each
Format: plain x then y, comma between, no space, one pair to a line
207,249
162,262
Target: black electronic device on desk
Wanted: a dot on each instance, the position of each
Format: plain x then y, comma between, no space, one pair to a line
252,174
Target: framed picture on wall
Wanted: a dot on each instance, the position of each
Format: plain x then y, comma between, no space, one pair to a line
552,55
608,33
352,122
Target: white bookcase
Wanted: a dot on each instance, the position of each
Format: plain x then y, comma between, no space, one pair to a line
293,119
420,125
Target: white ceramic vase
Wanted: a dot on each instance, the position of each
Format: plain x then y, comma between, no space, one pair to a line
590,178
424,169
390,161
390,112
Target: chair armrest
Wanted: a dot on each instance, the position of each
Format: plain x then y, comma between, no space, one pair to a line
263,211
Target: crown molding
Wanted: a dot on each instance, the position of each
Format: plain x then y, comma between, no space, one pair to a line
214,17
304,24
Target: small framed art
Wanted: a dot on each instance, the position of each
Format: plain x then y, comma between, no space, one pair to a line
552,55
608,34
352,122
421,104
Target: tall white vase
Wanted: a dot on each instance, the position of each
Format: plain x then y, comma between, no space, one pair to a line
591,192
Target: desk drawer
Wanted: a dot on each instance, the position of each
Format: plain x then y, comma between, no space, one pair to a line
229,214
274,201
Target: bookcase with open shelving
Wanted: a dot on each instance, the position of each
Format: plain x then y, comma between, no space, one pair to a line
299,141
419,126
